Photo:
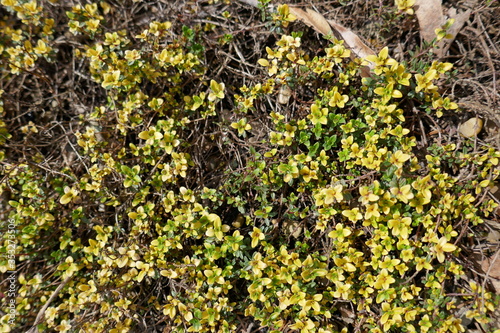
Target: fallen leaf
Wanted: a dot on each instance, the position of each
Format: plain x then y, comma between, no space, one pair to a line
491,266
471,127
430,17
284,94
293,228
352,40
254,3
460,19
312,19
355,44
493,237
323,26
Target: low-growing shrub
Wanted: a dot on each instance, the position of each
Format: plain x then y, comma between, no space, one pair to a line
334,212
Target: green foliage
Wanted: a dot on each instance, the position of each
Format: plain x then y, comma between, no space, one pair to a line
338,209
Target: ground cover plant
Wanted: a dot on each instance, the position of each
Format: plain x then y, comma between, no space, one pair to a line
219,166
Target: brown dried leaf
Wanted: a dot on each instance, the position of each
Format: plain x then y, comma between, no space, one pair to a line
491,266
352,40
284,94
293,228
430,17
347,314
323,26
493,237
460,19
471,127
312,19
354,43
254,3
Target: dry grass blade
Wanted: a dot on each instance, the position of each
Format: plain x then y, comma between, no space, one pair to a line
41,313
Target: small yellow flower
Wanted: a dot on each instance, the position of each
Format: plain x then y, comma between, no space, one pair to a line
217,91
422,263
257,235
384,280
318,115
93,24
382,59
405,6
425,324
69,195
398,158
111,79
64,326
372,210
402,193
132,55
443,246
41,48
51,313
353,214
367,195
241,126
329,195
150,135
340,232
407,255
304,326
424,82
337,99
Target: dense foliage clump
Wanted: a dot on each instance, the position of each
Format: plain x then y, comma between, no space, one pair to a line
307,199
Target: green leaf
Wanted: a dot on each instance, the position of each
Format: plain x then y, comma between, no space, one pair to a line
283,168
125,169
304,138
196,324
188,33
330,142
336,119
313,150
344,155
318,131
